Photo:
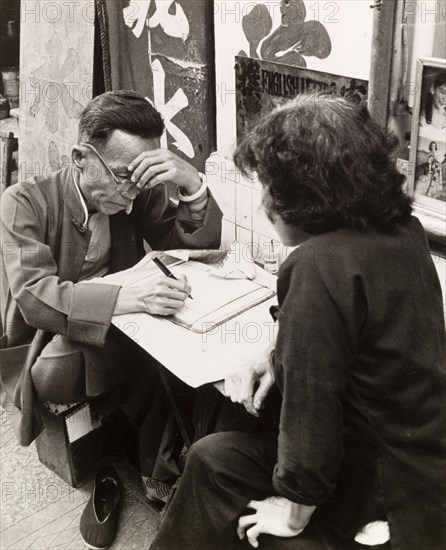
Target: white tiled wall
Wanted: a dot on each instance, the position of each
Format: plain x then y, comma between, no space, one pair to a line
243,206
243,216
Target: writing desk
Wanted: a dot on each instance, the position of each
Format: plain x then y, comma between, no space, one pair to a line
199,359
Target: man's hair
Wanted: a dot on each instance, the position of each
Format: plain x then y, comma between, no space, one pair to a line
121,110
325,164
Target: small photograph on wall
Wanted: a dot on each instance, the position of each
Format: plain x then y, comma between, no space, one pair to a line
428,143
430,168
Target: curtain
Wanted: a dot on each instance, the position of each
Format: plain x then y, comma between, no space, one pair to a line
165,51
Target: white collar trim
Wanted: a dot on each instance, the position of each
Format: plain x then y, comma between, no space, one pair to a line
128,210
81,198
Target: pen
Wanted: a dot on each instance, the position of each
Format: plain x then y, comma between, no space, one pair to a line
166,270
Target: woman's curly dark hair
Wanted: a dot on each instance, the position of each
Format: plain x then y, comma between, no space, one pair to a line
325,164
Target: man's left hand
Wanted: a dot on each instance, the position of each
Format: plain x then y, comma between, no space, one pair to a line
161,165
275,516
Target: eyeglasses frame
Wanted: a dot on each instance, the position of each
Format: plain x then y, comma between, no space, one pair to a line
110,171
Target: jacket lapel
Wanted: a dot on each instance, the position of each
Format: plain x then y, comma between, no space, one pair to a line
125,250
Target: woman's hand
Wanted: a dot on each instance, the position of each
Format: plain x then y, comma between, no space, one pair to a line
162,296
250,384
275,516
161,165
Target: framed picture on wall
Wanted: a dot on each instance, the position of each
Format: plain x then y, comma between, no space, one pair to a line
260,85
427,176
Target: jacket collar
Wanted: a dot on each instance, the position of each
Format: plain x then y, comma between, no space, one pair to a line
124,247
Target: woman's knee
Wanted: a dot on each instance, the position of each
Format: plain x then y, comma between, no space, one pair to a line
211,452
218,453
204,450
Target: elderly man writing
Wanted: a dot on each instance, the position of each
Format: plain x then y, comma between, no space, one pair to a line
85,221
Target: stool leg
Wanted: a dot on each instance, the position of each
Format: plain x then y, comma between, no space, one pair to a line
7,147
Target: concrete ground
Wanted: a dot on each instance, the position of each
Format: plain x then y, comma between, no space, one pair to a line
39,511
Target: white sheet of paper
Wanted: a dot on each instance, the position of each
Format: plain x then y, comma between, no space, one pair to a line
199,359
214,298
145,269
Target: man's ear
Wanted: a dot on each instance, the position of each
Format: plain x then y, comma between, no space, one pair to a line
79,157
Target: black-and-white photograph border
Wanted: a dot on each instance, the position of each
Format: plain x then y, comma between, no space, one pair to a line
426,176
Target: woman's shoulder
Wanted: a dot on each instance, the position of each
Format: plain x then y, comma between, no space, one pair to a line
351,250
333,245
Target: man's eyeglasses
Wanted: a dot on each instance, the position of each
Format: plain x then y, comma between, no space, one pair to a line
125,187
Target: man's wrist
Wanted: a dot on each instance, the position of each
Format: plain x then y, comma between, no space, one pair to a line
199,203
194,187
186,195
127,301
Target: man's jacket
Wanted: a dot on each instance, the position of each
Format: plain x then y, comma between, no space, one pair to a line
44,244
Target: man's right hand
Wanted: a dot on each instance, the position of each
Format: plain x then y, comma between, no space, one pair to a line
162,296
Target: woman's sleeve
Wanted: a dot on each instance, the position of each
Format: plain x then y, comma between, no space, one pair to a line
315,349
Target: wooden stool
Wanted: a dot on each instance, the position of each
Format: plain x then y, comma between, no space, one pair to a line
79,439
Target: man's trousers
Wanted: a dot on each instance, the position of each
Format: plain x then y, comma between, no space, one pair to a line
67,373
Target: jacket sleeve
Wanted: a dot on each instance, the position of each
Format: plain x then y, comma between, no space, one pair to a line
164,225
313,355
81,311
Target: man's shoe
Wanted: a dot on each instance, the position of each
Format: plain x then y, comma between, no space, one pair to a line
99,521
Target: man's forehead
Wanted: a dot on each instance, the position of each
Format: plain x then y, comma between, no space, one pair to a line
121,148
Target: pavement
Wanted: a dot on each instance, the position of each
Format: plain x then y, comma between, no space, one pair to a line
39,511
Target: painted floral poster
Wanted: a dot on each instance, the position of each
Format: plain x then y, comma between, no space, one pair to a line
323,35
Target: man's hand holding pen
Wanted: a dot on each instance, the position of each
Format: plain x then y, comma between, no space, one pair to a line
162,296
166,270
